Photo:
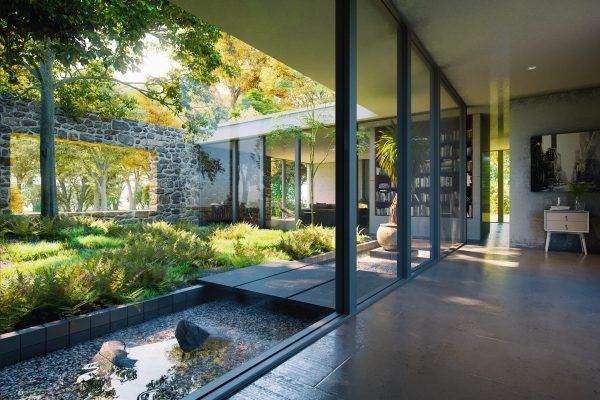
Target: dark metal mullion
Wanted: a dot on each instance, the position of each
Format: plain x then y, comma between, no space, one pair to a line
403,155
298,176
463,172
235,177
262,218
283,183
435,208
345,166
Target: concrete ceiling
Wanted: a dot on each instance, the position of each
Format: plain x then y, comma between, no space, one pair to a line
481,45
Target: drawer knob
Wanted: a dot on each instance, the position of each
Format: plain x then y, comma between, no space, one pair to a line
566,227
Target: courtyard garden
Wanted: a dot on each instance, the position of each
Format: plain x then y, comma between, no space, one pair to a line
52,269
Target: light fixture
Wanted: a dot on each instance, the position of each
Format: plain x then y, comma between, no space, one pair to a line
531,68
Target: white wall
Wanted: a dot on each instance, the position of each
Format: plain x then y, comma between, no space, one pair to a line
324,185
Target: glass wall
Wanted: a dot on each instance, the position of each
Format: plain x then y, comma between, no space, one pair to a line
250,180
280,184
377,90
215,197
451,214
420,152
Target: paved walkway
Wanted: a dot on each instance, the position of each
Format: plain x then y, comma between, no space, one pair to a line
482,324
308,283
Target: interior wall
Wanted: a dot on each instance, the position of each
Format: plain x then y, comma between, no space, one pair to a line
324,184
559,112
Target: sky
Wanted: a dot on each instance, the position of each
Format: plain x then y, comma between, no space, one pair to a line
156,63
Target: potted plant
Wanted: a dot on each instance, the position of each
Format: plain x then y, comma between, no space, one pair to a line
578,190
386,153
386,150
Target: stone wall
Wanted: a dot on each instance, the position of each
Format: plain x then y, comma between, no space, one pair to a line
174,167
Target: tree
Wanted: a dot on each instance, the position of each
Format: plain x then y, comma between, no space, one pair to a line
135,167
57,43
75,191
242,67
311,130
24,163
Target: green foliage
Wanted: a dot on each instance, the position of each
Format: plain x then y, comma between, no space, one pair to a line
17,200
32,251
307,241
97,242
260,102
234,231
112,265
94,264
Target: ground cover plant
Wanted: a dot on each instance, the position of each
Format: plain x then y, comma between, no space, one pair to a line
52,269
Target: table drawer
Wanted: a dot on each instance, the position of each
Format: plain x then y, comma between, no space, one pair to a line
566,216
566,226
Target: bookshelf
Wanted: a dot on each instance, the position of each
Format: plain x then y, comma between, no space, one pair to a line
449,169
469,202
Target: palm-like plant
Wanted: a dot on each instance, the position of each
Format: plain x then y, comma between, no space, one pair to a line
386,151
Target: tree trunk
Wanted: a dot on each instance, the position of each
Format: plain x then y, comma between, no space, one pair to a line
49,200
130,194
97,198
102,192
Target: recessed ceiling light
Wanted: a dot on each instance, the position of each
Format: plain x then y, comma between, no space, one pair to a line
531,68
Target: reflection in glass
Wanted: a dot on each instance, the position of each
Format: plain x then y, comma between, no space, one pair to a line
420,204
215,197
250,176
450,213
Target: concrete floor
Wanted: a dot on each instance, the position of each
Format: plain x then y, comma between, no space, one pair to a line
482,324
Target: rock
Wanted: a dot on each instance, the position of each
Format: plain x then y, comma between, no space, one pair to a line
189,335
113,352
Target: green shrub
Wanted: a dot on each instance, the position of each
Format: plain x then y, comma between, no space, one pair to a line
306,241
234,231
20,251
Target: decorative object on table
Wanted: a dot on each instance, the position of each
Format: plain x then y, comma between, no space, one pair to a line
578,190
575,222
557,159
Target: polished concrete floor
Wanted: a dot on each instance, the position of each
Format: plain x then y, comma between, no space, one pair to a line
482,324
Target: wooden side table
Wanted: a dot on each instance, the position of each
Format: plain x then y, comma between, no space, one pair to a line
575,222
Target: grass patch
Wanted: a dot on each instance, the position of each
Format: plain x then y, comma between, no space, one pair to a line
97,242
23,251
65,259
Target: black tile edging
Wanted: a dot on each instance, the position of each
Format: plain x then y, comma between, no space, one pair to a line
38,340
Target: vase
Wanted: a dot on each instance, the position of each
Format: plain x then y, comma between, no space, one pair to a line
579,204
387,236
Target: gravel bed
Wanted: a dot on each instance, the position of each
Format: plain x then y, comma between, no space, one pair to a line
249,328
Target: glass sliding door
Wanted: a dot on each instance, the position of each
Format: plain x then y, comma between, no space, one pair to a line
250,180
451,213
421,142
377,82
280,187
216,183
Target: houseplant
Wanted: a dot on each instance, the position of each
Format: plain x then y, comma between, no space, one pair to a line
386,153
578,190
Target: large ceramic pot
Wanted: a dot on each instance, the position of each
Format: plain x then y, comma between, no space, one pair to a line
386,236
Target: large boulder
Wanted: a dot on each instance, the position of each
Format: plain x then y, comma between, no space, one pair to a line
189,335
113,352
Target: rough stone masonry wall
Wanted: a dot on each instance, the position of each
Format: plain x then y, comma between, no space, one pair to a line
174,168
